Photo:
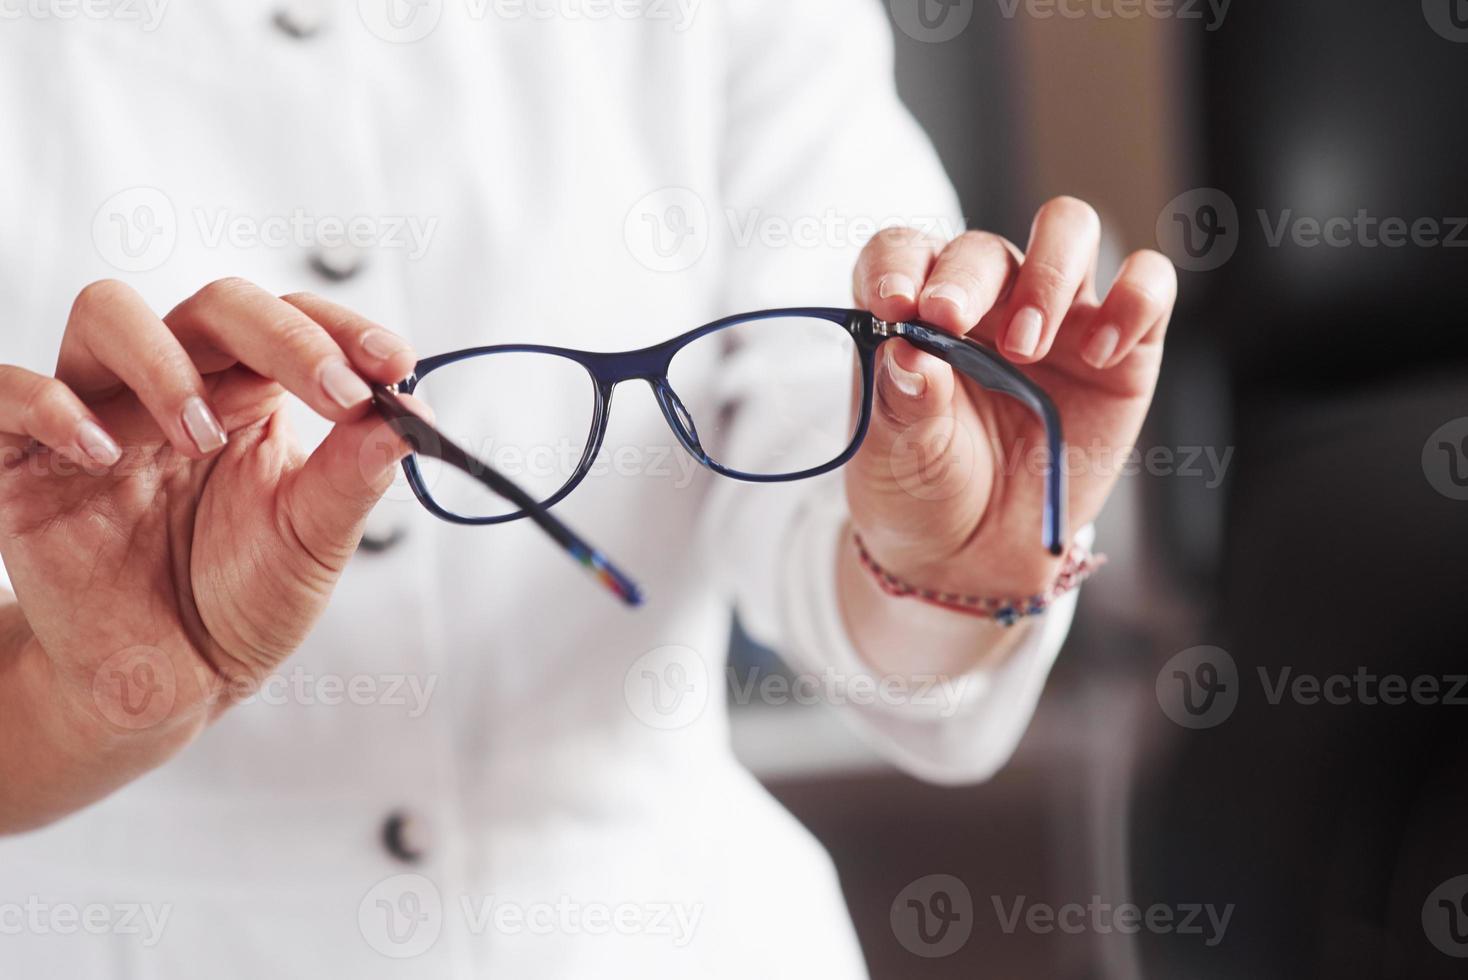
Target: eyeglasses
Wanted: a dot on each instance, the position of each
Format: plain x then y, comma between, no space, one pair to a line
541,413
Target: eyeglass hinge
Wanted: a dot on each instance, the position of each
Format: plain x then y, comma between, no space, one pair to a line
882,328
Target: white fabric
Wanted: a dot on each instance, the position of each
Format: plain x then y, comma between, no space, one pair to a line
536,766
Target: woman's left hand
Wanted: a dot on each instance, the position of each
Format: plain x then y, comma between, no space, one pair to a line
947,489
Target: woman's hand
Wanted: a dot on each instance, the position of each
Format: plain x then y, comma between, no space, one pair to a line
168,542
947,490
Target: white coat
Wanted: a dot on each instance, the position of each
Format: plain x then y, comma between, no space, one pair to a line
589,173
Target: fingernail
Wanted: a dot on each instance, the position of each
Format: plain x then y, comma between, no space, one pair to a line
1101,346
202,426
949,293
97,444
1024,331
910,383
898,285
343,386
383,344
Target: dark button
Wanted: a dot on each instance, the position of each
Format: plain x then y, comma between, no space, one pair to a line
300,18
402,836
339,262
376,542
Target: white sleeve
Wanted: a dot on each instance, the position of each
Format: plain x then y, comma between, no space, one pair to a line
816,133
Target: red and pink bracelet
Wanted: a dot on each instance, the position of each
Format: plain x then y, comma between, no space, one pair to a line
1079,565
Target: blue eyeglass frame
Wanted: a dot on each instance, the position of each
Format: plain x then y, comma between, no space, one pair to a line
651,364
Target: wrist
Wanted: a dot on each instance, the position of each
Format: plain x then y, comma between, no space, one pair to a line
993,561
1004,607
897,636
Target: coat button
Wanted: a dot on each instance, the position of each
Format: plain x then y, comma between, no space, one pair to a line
403,837
381,534
376,543
338,262
300,18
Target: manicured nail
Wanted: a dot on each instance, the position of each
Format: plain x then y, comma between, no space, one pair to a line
949,293
383,344
910,383
897,285
97,444
343,386
1024,331
202,426
1101,346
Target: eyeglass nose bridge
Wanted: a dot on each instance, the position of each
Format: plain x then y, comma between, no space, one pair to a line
679,419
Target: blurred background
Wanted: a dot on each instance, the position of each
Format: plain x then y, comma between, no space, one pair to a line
1255,736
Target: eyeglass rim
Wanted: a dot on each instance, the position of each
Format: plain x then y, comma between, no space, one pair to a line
650,364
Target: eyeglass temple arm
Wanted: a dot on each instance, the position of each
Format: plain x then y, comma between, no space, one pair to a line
426,440
989,370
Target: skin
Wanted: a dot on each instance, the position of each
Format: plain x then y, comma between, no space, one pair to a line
934,492
189,565
190,568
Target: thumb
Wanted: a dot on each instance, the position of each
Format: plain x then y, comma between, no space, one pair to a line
329,497
915,477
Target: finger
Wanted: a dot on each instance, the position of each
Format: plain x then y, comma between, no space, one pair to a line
891,270
49,412
277,340
113,338
973,273
1136,310
1063,246
329,497
374,350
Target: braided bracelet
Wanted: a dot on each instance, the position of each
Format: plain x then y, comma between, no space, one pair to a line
1078,566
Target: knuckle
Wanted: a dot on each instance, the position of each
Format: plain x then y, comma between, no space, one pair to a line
167,364
45,398
1071,211
896,238
1047,279
960,274
224,290
300,337
894,235
1156,268
301,297
982,248
978,240
97,296
1138,296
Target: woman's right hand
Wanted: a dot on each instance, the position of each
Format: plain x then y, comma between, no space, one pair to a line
168,542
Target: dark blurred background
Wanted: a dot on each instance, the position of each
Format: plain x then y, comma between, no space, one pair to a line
1304,163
